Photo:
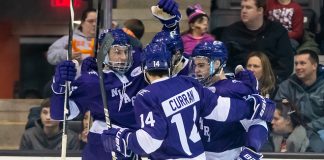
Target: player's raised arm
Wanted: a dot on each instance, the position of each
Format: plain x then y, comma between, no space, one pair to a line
167,11
65,71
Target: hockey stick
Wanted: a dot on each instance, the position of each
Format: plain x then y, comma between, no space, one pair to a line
106,44
97,28
67,85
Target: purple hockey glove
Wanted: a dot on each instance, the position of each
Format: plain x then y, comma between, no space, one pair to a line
263,107
65,71
89,64
169,6
249,154
170,15
247,77
114,139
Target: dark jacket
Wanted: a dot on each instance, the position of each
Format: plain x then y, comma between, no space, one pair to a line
271,38
35,139
309,99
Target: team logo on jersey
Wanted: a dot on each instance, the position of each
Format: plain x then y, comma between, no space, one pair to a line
235,81
137,71
143,91
93,72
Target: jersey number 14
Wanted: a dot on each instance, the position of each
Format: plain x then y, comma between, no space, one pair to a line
178,121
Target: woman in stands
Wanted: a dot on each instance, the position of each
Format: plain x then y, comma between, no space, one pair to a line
290,133
260,65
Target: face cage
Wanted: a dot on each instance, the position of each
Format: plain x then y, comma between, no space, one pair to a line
117,66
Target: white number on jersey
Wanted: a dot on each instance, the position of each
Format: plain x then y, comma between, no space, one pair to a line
149,120
156,63
194,135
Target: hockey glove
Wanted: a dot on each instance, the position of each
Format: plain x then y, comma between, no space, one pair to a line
89,64
263,107
115,139
65,71
169,6
167,12
249,154
247,77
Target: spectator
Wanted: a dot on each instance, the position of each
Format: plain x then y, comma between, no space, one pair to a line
85,129
135,29
33,115
198,28
260,65
254,32
290,15
306,88
83,40
290,134
47,134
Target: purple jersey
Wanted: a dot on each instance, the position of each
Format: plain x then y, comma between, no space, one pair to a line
168,111
218,136
85,95
120,91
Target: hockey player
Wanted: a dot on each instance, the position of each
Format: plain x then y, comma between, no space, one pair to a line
170,35
172,39
121,87
223,141
168,109
123,79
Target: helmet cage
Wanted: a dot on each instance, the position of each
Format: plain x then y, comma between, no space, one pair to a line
119,65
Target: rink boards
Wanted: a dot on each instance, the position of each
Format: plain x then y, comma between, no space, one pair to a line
79,158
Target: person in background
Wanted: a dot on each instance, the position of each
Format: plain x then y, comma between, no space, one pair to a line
306,88
290,133
254,32
135,29
47,133
290,15
82,43
86,122
259,64
198,28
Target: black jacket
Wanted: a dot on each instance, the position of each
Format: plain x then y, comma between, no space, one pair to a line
271,38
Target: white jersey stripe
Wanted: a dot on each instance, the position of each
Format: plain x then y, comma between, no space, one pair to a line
221,110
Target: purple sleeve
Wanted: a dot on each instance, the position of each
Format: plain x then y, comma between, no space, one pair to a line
57,106
224,109
257,135
83,92
232,88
